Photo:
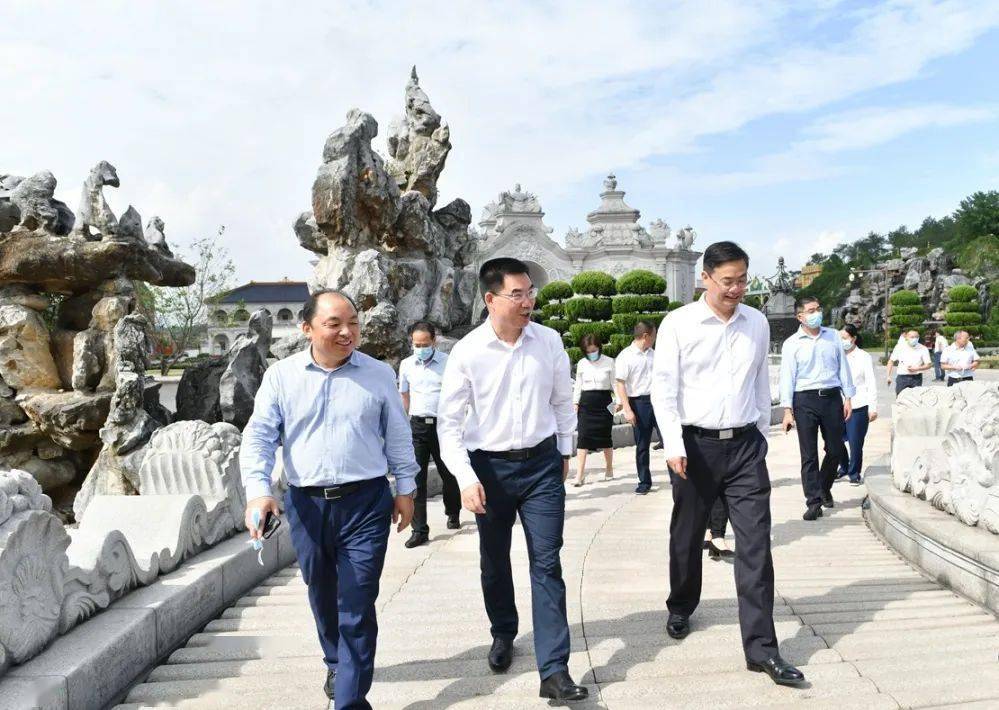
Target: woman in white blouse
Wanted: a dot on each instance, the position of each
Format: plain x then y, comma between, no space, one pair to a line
865,402
593,395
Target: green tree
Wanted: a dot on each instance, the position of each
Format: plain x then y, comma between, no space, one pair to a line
978,215
181,314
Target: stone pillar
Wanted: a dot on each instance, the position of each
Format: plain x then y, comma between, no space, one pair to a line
679,274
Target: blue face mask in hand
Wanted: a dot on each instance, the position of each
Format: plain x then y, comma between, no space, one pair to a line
593,357
813,320
423,353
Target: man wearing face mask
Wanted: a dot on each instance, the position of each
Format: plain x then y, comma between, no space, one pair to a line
815,390
912,358
420,384
337,414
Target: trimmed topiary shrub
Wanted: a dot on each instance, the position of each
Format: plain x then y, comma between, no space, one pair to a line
640,304
592,309
625,322
950,330
963,307
575,355
963,293
559,324
554,291
960,318
641,282
907,310
905,298
567,340
621,340
602,329
553,310
537,316
594,283
906,321
610,350
673,305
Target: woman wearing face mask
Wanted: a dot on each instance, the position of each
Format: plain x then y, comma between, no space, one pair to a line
912,359
865,402
593,395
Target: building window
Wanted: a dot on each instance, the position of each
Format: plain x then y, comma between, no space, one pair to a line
241,316
285,315
220,317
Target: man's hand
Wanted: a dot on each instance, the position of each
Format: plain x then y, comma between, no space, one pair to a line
871,416
679,466
847,410
473,499
788,421
265,504
402,512
618,407
629,416
888,380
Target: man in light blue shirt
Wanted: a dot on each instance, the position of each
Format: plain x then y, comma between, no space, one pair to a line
815,391
336,412
420,377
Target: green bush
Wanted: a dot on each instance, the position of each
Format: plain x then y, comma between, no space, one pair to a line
593,283
602,329
950,330
625,322
641,282
588,309
536,316
907,321
962,307
905,298
610,350
640,304
567,340
554,291
559,324
963,318
963,293
907,310
575,355
621,340
673,305
553,310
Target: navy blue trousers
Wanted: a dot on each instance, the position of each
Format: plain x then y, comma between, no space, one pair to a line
645,422
854,434
534,490
341,546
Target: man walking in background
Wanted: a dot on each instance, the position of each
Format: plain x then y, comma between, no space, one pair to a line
633,375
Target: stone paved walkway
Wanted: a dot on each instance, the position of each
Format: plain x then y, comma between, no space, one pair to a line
867,629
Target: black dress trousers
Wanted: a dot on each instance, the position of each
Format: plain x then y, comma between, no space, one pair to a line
735,469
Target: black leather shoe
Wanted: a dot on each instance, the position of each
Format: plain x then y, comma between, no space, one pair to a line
813,512
500,655
330,682
678,626
452,522
560,686
827,500
417,539
780,671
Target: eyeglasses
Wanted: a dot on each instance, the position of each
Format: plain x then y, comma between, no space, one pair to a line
520,296
730,285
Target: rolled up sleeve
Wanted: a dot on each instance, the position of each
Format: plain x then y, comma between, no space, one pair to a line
261,437
398,437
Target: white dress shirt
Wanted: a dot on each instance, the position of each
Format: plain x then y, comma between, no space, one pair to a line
500,397
862,368
909,358
960,357
813,362
710,373
634,368
939,343
590,376
422,379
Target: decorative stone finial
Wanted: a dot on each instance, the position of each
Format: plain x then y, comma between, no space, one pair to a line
611,182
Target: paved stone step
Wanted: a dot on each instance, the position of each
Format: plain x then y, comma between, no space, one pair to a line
864,627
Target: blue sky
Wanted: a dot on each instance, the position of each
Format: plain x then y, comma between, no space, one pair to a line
787,126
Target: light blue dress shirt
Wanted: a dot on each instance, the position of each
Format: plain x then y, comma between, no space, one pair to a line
812,363
336,426
422,379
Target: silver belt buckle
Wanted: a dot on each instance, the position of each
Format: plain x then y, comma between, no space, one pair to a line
725,434
428,420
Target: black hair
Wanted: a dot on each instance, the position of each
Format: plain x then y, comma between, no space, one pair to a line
309,309
643,327
493,272
801,301
425,326
591,339
854,333
723,252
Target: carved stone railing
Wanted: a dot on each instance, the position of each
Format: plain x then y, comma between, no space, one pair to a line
945,449
53,578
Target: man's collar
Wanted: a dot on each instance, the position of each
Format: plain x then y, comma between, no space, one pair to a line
707,313
309,361
489,333
802,333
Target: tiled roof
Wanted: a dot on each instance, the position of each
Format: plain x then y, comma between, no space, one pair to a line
267,292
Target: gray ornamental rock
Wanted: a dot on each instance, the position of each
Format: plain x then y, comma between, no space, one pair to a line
239,383
71,419
95,218
155,236
198,392
36,206
25,358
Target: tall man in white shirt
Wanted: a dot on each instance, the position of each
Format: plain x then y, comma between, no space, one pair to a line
912,359
505,422
633,374
711,393
420,377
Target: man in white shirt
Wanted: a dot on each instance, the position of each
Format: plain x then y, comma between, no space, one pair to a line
711,393
912,359
420,377
960,360
939,345
633,374
506,423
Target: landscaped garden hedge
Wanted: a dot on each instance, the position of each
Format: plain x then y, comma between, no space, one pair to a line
593,283
906,312
591,309
641,282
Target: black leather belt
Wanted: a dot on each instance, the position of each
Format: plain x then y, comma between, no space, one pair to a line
521,454
424,420
733,433
827,392
332,492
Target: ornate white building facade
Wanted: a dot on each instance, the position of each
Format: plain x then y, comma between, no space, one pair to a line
230,313
614,242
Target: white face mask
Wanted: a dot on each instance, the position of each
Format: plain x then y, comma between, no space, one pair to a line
848,345
913,341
